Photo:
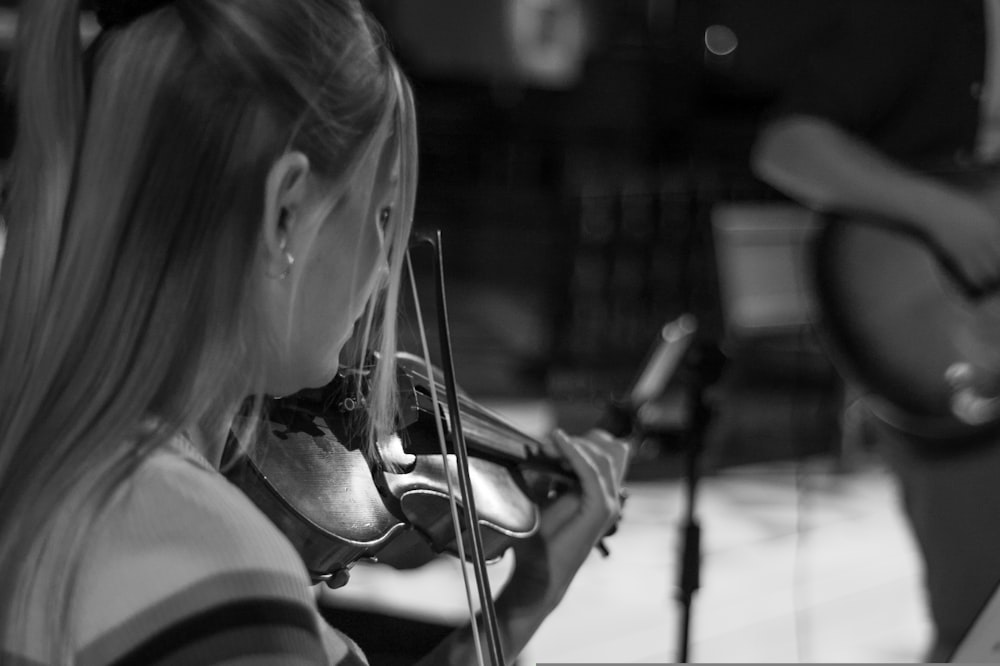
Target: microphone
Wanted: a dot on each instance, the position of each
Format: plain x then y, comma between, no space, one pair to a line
662,361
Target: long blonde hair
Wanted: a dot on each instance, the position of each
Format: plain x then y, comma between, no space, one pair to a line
133,214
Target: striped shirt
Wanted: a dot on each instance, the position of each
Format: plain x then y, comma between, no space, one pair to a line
188,571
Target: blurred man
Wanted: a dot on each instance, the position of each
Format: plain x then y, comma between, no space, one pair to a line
896,92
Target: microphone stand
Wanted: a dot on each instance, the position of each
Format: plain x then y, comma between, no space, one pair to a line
695,367
706,364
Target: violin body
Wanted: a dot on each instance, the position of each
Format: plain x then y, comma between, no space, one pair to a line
337,503
320,494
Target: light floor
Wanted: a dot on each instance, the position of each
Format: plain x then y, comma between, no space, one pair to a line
799,566
802,562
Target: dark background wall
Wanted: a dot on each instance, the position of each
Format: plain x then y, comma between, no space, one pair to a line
575,215
578,217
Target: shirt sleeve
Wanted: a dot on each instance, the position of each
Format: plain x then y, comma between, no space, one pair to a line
186,570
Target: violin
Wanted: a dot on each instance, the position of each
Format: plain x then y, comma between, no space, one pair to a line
339,500
339,497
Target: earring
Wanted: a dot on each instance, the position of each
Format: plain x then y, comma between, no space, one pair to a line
289,262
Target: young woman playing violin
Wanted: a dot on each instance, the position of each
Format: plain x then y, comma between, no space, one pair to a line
205,204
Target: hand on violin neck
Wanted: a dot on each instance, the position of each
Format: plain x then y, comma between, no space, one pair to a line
546,562
570,526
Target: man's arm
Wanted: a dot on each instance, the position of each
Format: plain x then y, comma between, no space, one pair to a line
827,168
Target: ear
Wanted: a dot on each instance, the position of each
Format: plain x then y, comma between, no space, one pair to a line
285,197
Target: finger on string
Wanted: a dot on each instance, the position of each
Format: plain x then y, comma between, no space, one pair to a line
618,449
591,469
601,435
609,457
609,461
582,460
600,494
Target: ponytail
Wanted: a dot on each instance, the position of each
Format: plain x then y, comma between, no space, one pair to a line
130,278
46,73
49,98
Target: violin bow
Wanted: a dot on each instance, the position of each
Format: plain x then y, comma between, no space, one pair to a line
487,608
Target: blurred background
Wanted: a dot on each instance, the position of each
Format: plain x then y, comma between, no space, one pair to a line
587,162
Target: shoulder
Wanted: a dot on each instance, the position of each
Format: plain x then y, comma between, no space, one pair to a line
179,521
868,57
184,561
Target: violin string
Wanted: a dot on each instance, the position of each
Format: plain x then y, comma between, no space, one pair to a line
487,418
459,541
494,428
